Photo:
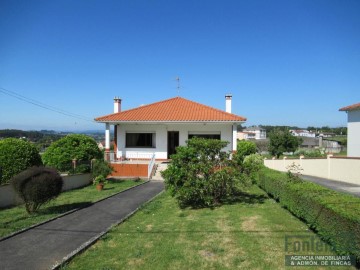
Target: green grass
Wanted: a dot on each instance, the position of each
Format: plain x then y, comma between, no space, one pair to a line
16,218
248,234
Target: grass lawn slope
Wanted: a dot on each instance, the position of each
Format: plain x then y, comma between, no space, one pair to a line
248,234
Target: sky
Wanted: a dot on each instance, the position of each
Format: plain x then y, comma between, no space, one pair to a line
285,62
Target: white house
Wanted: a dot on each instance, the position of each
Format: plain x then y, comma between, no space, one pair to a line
353,137
242,135
160,127
302,133
259,133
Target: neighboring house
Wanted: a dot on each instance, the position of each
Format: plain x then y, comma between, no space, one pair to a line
256,133
302,133
242,135
308,142
160,127
327,134
353,137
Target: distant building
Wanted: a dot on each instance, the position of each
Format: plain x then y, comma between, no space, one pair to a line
302,133
327,134
255,133
353,137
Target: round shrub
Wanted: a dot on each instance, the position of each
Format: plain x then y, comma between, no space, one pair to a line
16,156
244,148
75,146
36,186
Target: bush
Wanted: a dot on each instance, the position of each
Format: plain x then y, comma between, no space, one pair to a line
335,216
16,156
75,146
37,186
311,153
201,175
251,166
282,141
243,149
101,168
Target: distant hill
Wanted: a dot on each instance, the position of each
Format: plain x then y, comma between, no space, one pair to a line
30,135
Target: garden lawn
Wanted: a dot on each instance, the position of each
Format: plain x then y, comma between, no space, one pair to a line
248,234
16,218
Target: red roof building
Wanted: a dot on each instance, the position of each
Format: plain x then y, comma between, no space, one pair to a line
158,128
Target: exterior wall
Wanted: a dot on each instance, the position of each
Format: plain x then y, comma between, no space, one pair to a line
8,196
353,146
226,131
333,168
130,170
76,181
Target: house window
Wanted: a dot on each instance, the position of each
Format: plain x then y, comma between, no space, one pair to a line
205,136
143,140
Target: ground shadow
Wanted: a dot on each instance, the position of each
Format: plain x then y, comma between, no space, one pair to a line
248,198
116,180
59,209
108,188
239,197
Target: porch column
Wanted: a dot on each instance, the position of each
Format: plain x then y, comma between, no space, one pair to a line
115,140
107,141
234,137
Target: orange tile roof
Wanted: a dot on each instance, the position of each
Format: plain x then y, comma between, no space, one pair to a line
176,109
351,107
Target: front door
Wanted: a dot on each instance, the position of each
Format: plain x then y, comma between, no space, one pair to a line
173,142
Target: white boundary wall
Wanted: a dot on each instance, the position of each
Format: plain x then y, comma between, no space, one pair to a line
8,196
334,168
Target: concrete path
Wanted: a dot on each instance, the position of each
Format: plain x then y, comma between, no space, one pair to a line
47,245
352,189
160,167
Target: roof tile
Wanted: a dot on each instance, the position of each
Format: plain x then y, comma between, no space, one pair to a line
351,107
176,109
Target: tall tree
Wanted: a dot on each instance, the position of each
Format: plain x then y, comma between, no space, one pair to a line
75,146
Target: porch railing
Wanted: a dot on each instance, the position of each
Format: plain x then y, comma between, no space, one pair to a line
109,156
151,165
139,155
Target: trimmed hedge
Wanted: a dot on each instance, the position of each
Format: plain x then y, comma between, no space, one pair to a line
16,155
37,186
333,215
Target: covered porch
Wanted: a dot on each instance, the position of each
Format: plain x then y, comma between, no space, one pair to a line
139,167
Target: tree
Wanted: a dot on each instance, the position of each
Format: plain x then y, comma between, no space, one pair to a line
245,148
37,186
16,156
201,174
282,141
75,146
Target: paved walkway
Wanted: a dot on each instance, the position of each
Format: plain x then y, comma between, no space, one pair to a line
48,244
352,189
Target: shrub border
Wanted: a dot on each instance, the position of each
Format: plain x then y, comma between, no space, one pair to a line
310,202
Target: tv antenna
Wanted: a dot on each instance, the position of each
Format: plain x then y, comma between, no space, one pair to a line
178,85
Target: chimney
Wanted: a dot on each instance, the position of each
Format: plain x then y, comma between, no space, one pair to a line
117,104
228,103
